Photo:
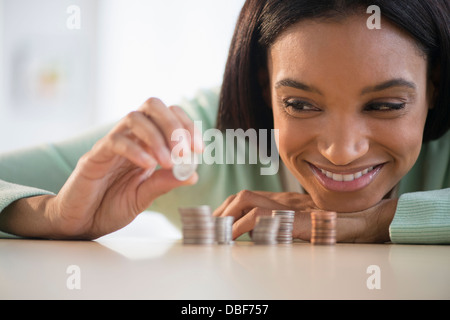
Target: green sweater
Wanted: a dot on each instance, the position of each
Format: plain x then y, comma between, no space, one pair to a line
422,216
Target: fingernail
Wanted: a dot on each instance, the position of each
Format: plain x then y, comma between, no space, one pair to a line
198,142
166,157
147,159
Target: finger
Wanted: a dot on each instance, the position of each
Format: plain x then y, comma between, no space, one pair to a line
167,122
118,144
246,201
247,223
290,199
218,212
150,136
197,144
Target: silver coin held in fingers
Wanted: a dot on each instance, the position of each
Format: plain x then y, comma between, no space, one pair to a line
183,169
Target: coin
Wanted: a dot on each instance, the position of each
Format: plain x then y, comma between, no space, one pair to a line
224,229
286,225
285,229
198,225
323,215
323,227
182,172
184,168
266,230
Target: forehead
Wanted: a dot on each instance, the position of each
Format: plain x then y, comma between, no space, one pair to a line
346,48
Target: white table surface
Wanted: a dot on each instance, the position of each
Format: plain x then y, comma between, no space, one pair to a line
131,264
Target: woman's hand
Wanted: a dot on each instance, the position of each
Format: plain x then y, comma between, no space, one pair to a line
113,182
246,206
368,226
371,225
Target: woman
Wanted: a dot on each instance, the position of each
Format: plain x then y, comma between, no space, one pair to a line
362,117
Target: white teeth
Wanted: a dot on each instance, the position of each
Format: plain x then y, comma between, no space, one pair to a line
349,177
346,177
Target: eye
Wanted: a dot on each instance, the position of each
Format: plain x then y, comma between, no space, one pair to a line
294,105
384,106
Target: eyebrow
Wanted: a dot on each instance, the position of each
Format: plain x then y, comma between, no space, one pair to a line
297,85
398,82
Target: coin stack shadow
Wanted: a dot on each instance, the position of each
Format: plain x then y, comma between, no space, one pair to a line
198,225
286,225
323,227
224,227
266,230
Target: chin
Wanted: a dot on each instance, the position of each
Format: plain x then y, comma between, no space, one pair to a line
345,202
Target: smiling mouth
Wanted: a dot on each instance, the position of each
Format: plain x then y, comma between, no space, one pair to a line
346,181
346,177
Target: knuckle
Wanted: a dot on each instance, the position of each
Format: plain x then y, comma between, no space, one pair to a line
172,123
117,144
244,195
230,199
111,138
256,212
177,110
152,101
131,117
84,159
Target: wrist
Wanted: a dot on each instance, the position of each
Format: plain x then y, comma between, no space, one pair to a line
368,226
28,217
385,216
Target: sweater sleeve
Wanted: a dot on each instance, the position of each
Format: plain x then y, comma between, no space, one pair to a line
43,169
423,210
422,218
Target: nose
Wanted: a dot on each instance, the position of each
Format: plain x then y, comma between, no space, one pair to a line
343,140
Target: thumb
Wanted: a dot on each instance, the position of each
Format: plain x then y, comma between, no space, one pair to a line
159,183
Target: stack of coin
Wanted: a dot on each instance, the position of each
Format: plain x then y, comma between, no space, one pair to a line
286,225
323,229
266,230
198,225
224,226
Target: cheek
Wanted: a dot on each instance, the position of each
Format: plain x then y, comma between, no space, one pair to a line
291,139
296,143
403,142
404,138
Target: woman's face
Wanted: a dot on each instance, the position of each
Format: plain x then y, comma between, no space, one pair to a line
350,105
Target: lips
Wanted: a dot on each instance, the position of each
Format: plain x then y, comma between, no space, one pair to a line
346,181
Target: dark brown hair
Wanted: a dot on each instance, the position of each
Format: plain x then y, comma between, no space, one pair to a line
242,104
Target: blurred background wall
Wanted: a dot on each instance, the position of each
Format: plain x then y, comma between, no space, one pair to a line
69,65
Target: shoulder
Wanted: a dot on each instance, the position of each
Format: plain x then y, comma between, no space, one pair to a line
432,169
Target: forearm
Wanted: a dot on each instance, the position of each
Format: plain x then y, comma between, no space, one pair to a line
29,218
